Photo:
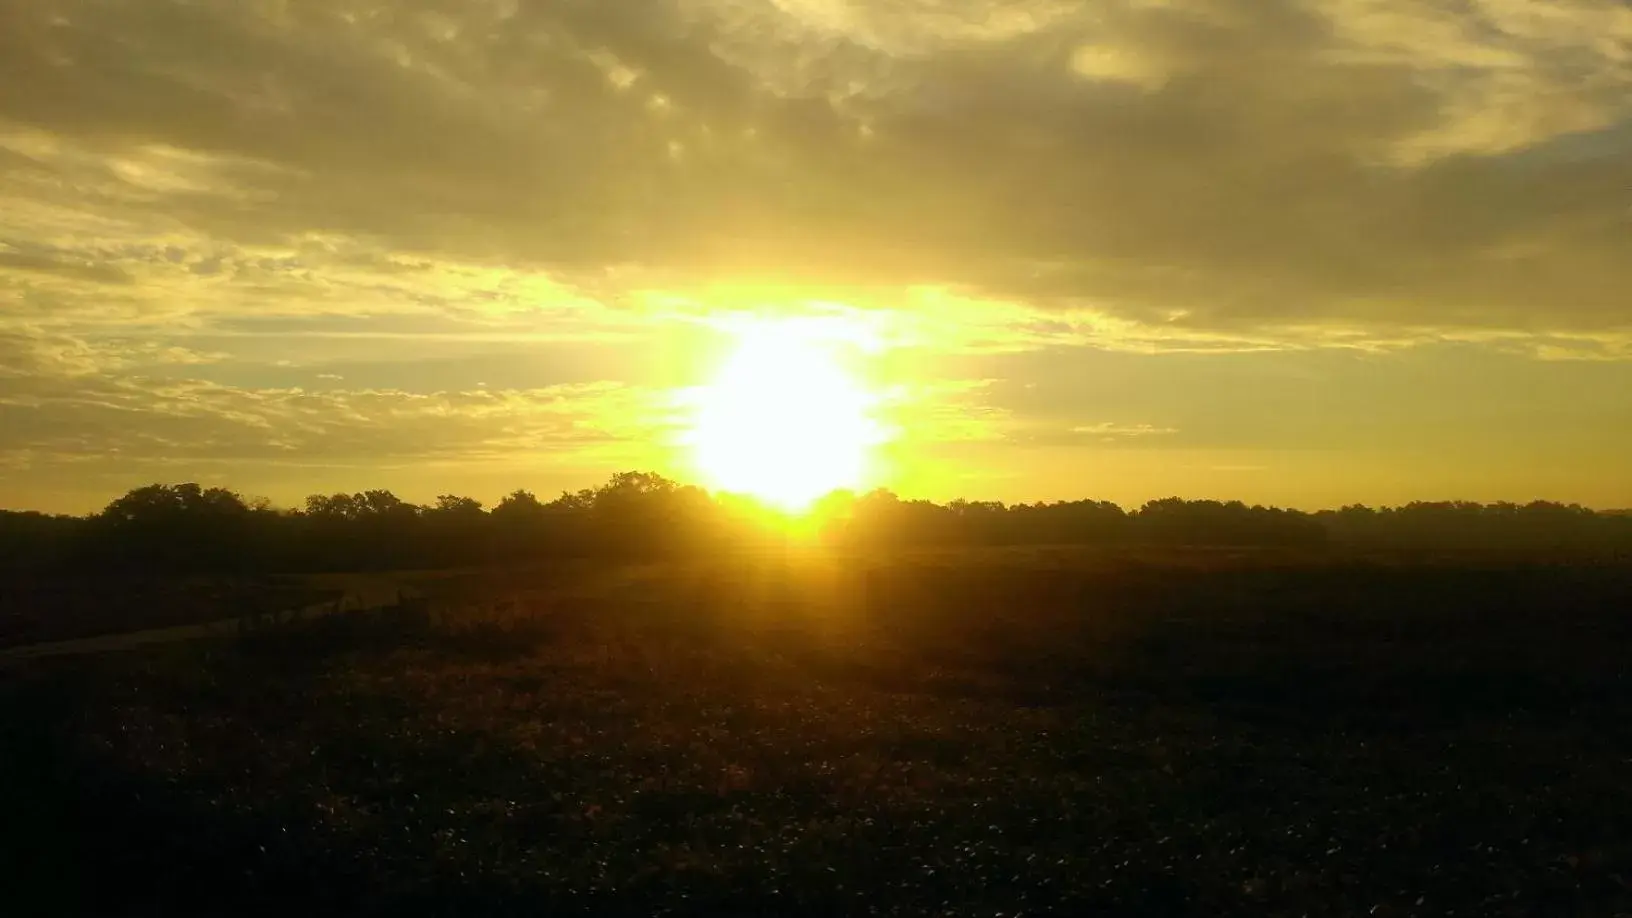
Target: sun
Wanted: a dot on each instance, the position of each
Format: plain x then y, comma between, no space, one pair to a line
783,420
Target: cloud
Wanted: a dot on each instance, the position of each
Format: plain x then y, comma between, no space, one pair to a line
1238,164
946,412
47,265
48,418
190,425
1109,431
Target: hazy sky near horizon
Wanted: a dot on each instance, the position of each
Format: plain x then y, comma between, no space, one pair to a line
1304,252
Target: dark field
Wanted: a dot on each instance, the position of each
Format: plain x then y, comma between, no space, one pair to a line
37,609
980,733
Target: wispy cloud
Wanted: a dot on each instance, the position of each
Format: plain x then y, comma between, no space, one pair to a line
189,421
1107,430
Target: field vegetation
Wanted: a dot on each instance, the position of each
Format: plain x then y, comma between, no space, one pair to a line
969,731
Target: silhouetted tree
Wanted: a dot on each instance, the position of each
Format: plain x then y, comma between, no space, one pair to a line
165,528
183,526
31,540
520,505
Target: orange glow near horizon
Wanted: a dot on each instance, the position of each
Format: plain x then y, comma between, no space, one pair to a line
784,420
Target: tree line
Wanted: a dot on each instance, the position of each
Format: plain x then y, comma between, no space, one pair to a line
187,527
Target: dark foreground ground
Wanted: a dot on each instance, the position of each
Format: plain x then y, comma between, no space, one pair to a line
1003,734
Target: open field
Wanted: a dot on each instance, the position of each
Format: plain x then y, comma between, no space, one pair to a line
36,610
100,618
973,733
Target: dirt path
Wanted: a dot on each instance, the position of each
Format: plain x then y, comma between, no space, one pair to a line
357,592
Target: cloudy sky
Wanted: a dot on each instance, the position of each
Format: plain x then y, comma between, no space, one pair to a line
1306,252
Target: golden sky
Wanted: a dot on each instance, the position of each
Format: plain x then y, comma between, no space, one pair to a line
1306,252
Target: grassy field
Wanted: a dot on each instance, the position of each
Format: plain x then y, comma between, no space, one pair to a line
994,733
36,610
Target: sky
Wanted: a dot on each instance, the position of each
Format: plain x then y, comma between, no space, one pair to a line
1300,252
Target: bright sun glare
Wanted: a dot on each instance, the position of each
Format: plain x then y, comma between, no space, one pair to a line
783,420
